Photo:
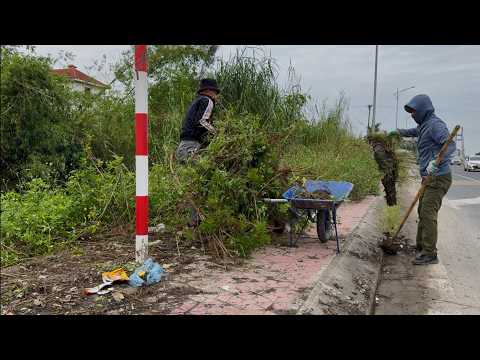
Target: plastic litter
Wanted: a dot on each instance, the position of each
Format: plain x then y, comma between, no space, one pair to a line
156,229
147,274
108,278
115,275
101,289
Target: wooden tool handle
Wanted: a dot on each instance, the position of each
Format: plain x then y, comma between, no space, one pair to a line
440,157
444,149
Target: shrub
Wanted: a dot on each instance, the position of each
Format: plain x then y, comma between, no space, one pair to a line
225,184
42,216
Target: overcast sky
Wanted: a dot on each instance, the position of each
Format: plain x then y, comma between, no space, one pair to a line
450,75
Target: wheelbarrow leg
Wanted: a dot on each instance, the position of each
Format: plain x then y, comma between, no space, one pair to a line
293,219
334,213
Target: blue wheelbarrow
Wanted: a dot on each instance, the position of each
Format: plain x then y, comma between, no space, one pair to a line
320,211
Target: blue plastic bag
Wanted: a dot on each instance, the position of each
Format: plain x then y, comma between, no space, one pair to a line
153,274
135,280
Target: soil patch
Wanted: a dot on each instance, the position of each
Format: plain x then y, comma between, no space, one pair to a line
54,284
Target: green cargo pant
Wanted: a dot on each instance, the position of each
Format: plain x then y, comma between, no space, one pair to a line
428,207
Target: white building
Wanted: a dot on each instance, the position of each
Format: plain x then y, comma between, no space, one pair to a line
81,81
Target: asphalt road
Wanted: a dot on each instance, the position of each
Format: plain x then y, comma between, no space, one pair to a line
459,237
453,285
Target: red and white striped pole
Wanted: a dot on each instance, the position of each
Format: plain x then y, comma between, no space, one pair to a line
141,153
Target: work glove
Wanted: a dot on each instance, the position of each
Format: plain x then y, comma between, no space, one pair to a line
394,133
432,168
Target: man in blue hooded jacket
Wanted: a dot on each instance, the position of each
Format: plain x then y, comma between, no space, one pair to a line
431,134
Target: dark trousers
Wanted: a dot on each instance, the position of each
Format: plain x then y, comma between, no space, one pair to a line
428,207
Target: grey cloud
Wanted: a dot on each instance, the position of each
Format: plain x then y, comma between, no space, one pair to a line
449,74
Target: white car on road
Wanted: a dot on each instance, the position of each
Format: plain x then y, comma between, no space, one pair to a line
472,163
456,161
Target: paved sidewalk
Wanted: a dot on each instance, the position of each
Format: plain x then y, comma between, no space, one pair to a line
273,281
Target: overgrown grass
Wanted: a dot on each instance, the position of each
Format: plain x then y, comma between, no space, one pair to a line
351,162
389,219
249,85
327,150
264,144
406,159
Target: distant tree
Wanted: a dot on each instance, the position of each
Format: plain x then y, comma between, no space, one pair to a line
36,134
165,61
173,71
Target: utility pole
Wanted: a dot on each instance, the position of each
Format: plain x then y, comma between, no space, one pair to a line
461,151
396,94
396,113
368,122
375,88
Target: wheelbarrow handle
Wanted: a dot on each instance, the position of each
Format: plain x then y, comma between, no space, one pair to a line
273,201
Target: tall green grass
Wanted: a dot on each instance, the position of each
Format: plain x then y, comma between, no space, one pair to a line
249,85
326,149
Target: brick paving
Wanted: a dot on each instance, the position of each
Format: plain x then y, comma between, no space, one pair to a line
273,280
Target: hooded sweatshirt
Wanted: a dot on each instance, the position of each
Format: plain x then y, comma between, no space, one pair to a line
431,132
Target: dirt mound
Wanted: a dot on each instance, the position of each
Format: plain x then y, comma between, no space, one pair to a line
317,194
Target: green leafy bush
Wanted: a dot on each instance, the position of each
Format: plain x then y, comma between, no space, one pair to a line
225,184
42,216
36,219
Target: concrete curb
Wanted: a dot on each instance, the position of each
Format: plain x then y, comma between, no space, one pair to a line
349,283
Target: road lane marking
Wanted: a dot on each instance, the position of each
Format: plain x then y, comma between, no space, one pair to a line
466,177
460,182
463,202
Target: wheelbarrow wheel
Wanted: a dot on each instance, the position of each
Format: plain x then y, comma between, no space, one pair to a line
325,227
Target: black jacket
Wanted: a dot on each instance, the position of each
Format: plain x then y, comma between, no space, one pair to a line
197,123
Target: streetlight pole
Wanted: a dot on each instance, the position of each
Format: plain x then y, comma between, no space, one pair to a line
396,113
375,88
368,122
396,94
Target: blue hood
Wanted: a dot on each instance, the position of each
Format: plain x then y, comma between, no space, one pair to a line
431,134
423,108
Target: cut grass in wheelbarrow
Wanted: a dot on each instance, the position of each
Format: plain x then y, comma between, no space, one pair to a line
321,211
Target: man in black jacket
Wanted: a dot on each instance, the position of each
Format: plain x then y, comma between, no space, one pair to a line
197,123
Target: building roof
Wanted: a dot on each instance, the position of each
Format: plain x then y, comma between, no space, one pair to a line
76,75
